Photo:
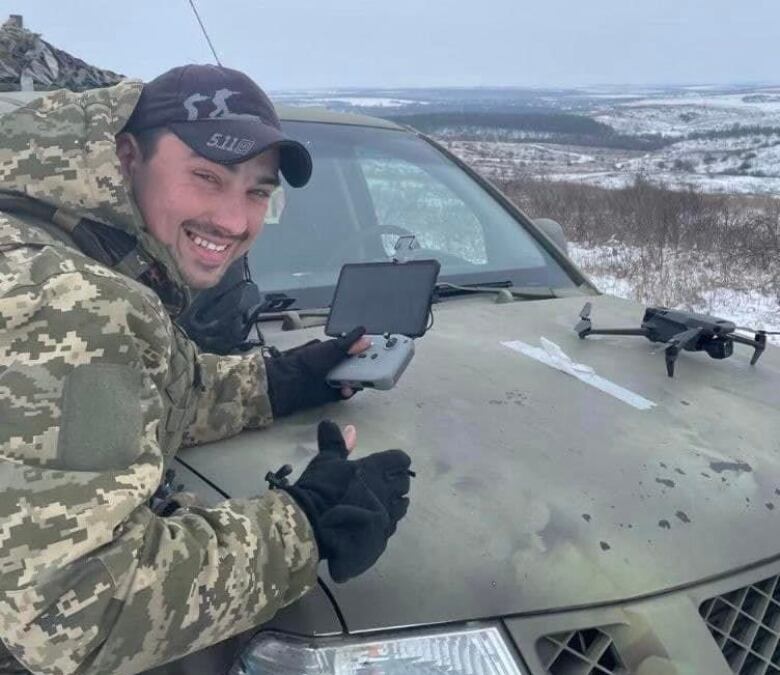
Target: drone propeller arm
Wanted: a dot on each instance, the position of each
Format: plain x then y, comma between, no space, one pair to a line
677,343
641,332
759,344
682,340
670,355
746,340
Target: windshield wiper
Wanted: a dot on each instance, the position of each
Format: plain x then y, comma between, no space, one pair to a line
294,319
504,290
272,303
276,307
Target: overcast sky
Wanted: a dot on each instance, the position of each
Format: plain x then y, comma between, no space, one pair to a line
299,44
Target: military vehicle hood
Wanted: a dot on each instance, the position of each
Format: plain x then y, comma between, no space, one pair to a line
59,150
536,490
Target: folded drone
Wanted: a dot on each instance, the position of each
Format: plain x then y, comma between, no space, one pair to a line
679,330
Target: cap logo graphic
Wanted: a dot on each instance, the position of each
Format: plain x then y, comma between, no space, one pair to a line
238,146
189,106
220,111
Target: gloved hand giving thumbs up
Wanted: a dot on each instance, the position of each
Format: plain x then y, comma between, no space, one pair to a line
353,506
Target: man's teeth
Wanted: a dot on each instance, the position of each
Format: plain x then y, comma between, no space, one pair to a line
210,245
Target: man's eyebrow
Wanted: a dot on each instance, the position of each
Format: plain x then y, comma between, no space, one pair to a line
268,180
233,168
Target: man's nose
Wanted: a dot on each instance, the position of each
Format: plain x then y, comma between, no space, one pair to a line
231,216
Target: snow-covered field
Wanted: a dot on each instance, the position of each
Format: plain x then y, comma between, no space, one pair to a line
743,164
717,140
690,112
362,101
683,281
712,138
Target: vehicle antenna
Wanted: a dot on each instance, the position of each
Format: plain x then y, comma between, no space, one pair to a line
205,34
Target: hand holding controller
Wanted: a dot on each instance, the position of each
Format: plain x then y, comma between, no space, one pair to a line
379,367
392,301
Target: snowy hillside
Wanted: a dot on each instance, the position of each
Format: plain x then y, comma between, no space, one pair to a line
717,139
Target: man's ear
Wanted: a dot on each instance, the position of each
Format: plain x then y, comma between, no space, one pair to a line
129,153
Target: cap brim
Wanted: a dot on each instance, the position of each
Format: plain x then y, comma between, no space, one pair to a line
231,141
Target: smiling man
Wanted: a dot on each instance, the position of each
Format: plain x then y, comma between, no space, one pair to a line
114,204
176,187
202,151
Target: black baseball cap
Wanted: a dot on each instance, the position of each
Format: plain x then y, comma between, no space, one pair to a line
222,115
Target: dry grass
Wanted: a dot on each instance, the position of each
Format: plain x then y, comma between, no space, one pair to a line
673,247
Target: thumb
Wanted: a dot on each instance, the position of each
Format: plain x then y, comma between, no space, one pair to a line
348,340
350,437
330,440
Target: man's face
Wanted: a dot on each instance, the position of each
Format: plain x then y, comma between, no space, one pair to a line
207,214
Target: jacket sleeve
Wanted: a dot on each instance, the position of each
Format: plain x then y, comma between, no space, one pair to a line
91,580
233,395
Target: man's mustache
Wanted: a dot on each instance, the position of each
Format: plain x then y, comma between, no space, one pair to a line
205,229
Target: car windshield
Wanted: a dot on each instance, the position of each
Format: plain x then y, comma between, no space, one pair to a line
370,186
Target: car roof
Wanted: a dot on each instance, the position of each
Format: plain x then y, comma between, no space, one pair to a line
325,116
9,100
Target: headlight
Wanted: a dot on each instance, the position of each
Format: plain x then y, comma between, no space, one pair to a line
467,651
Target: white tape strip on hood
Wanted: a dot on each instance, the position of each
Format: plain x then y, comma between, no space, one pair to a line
552,355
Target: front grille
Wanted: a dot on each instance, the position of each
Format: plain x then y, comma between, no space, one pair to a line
583,652
746,625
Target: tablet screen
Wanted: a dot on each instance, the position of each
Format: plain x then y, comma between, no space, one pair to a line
383,298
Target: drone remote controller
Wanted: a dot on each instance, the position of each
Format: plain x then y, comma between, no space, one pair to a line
379,367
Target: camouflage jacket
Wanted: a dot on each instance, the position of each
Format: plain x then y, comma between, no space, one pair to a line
98,390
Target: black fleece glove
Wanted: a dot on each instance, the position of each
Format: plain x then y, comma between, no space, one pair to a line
296,378
353,506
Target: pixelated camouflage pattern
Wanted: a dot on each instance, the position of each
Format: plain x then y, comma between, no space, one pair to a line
26,60
59,149
91,580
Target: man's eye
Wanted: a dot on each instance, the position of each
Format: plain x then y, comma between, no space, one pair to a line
207,177
261,194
